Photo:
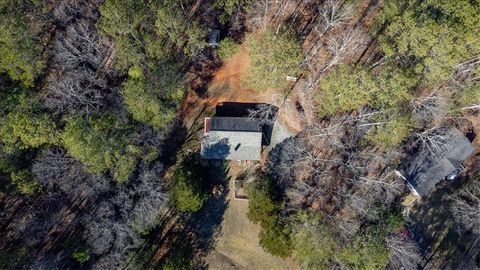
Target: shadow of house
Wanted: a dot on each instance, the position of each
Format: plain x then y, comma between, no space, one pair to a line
424,168
244,110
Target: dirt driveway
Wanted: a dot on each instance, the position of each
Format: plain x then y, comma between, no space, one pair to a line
238,248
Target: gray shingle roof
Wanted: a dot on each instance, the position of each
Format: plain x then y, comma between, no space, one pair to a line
425,169
232,138
232,145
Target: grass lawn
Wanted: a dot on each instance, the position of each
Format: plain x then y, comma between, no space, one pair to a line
238,248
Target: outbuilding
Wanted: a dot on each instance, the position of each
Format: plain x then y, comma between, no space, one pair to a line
426,167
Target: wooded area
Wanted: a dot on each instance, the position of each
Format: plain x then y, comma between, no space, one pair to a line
101,106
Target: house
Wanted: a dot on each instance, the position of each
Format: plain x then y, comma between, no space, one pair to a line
425,168
231,138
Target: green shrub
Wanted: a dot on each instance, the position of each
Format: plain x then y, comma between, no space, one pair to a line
429,37
345,88
101,144
227,48
261,207
368,251
25,182
275,239
315,242
22,125
81,256
229,7
264,209
20,48
466,98
393,132
153,96
177,263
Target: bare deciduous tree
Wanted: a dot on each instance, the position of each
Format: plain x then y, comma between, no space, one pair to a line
261,9
428,108
465,73
76,91
385,188
307,157
80,44
334,13
329,135
56,170
349,226
405,252
264,113
65,12
342,47
466,206
432,139
98,231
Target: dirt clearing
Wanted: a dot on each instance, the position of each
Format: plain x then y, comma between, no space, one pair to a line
226,85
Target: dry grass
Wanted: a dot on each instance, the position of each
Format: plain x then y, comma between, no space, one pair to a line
238,248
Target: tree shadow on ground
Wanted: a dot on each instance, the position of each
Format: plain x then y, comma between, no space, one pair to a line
202,72
206,223
218,150
442,242
182,240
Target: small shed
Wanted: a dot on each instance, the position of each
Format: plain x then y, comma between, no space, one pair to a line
424,169
213,38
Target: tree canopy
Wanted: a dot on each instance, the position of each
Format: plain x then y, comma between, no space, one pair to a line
101,144
264,208
21,50
368,251
273,57
153,98
344,89
188,188
315,243
431,37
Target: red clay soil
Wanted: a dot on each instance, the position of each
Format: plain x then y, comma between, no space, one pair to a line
222,88
226,85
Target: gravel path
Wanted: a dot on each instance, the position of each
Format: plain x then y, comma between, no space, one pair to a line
280,133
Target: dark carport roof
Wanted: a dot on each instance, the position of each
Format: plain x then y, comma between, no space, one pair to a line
234,124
